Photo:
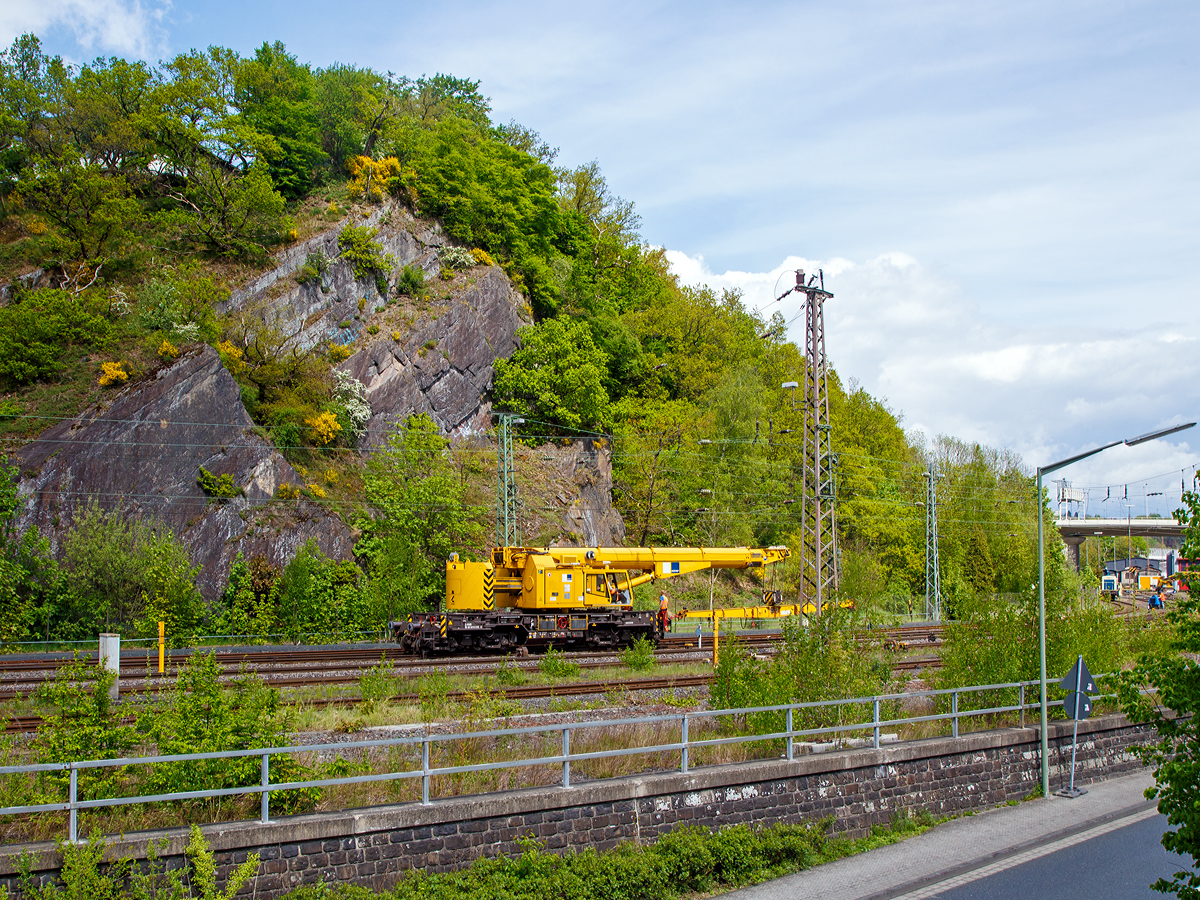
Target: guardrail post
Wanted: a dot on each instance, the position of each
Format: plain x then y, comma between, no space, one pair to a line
954,713
73,827
875,719
425,773
791,740
266,794
566,752
1021,702
683,753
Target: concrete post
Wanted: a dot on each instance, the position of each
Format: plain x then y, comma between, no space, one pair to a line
110,658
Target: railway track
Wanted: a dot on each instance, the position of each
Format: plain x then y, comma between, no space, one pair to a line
25,724
296,667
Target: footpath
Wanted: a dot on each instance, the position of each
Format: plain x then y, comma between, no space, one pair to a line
968,848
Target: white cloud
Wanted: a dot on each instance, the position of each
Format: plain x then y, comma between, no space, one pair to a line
105,26
908,335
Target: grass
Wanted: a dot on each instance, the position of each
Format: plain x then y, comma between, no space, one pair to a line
482,708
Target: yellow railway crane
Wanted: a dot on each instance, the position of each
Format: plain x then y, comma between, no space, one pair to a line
577,597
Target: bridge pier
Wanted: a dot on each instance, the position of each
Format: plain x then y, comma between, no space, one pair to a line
1073,541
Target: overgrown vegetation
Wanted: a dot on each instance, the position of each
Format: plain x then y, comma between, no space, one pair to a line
639,655
366,256
688,860
823,662
555,665
145,213
1173,674
196,713
88,873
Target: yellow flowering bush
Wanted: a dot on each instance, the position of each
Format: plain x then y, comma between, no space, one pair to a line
396,336
369,177
167,350
317,491
330,476
483,257
339,353
325,428
287,492
231,357
113,373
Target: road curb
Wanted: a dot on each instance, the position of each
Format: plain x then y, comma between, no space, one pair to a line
1000,855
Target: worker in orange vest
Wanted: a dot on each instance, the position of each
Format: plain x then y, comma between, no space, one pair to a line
664,614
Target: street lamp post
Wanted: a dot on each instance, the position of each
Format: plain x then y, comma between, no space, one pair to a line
1046,470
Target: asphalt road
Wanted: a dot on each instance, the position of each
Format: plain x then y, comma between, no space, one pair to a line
1118,865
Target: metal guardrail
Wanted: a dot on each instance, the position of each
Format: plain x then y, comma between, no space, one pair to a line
426,772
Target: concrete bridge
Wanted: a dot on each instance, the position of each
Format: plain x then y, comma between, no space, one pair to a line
1075,531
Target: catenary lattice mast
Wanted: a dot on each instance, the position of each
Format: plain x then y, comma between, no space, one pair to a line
933,581
508,533
818,546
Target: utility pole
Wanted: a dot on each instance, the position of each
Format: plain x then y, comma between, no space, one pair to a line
508,532
933,579
818,544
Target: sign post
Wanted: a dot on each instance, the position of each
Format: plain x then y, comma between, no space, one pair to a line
1078,705
162,629
110,658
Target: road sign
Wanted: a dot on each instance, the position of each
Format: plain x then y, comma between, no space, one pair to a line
1077,705
1078,680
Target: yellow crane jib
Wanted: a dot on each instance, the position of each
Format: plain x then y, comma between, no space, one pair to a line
580,596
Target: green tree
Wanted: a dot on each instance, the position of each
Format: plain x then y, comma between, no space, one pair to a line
247,605
95,215
126,574
275,94
319,595
1175,714
198,714
556,375
490,195
38,329
79,723
215,161
30,580
420,513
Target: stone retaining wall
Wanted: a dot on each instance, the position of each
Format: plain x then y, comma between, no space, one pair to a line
858,788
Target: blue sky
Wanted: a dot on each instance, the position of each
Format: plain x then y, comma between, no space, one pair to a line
1005,195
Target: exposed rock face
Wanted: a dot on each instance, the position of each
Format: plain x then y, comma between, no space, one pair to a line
145,449
443,367
313,311
442,363
589,514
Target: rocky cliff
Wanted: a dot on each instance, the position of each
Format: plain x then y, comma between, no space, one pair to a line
440,360
144,449
143,452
